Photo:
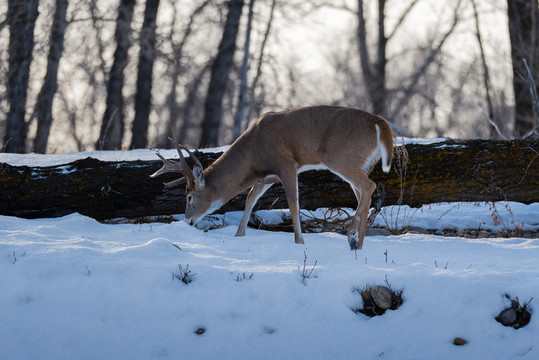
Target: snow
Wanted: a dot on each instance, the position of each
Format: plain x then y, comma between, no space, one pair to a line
74,288
461,216
42,160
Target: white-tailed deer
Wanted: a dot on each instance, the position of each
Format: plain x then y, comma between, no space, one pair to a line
279,145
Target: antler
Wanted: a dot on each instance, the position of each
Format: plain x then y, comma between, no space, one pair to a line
179,166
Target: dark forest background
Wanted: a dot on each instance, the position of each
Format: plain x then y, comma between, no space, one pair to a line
98,74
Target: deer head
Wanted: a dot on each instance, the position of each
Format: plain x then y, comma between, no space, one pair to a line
198,200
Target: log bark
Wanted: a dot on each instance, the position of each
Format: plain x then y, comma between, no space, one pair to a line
449,171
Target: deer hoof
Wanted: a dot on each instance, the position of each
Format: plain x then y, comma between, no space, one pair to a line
353,240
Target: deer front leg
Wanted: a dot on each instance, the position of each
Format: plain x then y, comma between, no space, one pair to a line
290,185
254,194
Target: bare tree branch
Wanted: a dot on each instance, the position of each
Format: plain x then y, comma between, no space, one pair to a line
220,71
408,93
175,111
535,98
3,23
189,27
532,85
534,131
486,77
342,6
43,106
362,43
402,18
239,116
494,125
523,36
260,62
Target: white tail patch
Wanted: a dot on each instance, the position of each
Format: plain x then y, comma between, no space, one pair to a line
379,152
386,165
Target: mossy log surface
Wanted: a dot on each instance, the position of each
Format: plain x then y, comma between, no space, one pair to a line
450,171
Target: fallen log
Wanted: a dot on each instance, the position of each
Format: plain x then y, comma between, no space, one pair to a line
449,171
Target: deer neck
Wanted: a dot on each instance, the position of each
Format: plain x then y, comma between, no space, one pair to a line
230,175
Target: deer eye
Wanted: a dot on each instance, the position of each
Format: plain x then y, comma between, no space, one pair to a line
189,198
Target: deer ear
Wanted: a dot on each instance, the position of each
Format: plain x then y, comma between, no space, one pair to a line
199,176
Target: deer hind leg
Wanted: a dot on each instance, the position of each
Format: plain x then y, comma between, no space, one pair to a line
254,194
289,179
363,188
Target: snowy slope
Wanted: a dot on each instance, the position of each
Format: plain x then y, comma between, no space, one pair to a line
72,288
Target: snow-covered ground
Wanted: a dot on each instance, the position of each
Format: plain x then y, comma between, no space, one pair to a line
73,288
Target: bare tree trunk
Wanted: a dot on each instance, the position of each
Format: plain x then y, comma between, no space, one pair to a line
112,127
171,127
219,75
143,98
171,102
97,25
97,73
71,115
189,105
22,15
379,103
375,75
363,48
486,77
43,108
252,100
239,118
523,16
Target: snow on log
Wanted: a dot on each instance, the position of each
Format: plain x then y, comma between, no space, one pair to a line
450,171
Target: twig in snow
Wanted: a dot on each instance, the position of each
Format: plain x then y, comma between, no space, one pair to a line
306,274
176,246
386,281
245,277
184,275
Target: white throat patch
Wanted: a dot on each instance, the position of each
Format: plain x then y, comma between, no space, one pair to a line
214,206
